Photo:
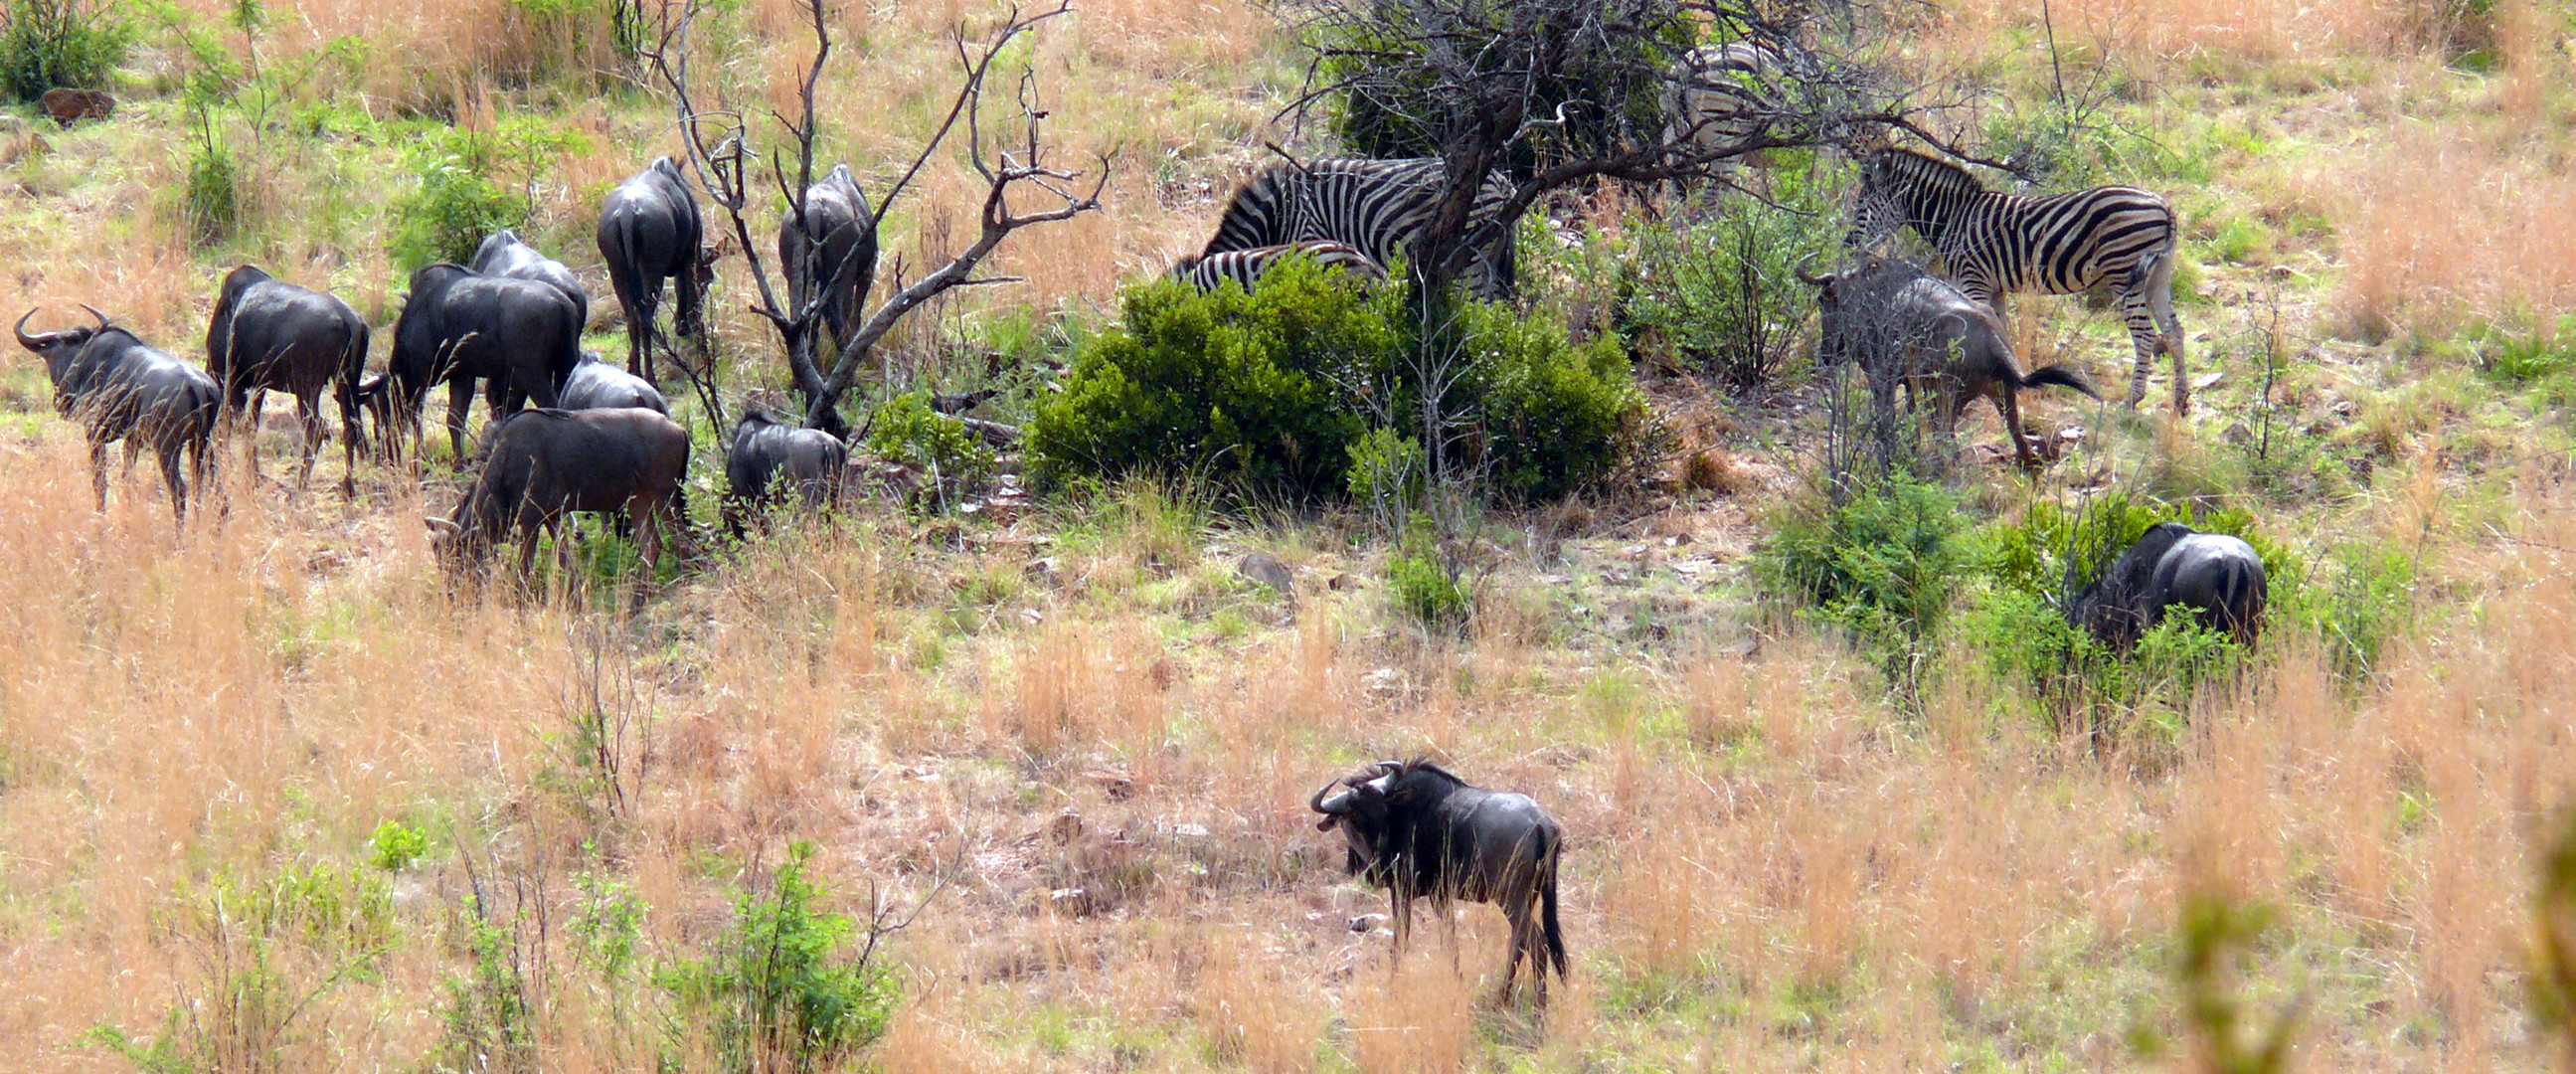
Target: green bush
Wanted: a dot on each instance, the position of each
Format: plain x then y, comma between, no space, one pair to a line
470,184
52,43
1882,566
952,460
1420,587
1723,294
213,199
1274,391
776,994
396,846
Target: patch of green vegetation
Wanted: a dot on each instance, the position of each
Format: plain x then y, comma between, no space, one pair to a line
778,992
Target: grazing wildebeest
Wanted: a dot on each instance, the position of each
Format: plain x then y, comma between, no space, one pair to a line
541,465
2218,577
268,334
832,259
504,253
598,385
523,336
1903,326
1416,830
121,388
649,232
767,453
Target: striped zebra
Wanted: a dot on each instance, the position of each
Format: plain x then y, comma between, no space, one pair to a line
1375,206
2054,244
1207,272
1718,94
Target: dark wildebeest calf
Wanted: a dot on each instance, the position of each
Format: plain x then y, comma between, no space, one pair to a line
504,253
649,232
1905,327
831,261
541,465
2218,577
120,388
597,385
1416,830
457,326
268,334
768,453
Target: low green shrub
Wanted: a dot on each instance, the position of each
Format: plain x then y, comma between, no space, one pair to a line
1722,294
470,184
777,993
1882,566
51,43
952,459
1420,586
1273,392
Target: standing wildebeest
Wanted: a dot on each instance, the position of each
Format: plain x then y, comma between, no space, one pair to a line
832,259
120,388
2218,577
650,231
523,336
270,334
598,385
1904,326
767,453
2056,244
544,464
503,253
1415,830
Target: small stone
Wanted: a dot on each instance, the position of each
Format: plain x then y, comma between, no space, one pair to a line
1267,569
1742,650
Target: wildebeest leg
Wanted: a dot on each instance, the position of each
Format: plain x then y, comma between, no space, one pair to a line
2008,403
308,416
98,470
176,481
460,398
1516,910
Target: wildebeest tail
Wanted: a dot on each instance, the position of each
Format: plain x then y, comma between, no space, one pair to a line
2242,595
1547,912
2062,376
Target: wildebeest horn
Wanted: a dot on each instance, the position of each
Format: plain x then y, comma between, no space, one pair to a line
1812,281
1316,803
440,525
93,311
28,341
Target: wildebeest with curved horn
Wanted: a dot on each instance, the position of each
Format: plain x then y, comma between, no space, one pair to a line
457,326
1902,325
2219,578
598,385
1415,830
541,465
121,388
504,253
267,334
832,258
768,453
649,232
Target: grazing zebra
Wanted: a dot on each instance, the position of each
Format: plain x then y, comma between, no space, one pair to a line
2055,244
1375,206
1718,94
1207,272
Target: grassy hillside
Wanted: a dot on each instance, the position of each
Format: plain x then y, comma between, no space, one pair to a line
274,795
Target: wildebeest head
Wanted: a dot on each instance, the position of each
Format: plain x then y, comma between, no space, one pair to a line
60,349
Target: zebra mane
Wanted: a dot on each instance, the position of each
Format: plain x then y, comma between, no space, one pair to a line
1927,170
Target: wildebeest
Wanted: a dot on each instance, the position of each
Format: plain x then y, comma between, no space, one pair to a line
523,336
2218,577
121,388
1415,830
541,465
768,453
503,253
649,232
1903,326
267,334
598,385
832,259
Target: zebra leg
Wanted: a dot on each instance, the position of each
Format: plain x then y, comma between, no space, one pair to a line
2149,342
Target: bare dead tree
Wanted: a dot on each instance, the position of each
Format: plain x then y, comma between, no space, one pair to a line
723,160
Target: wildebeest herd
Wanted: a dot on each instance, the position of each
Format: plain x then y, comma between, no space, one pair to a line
601,438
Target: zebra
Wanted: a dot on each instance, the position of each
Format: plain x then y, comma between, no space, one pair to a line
1207,272
2055,244
1716,97
1375,206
